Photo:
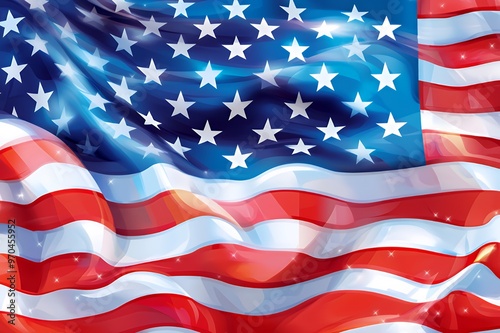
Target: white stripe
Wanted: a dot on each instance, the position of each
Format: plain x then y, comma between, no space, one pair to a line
68,304
283,235
482,124
353,187
399,327
15,131
167,329
48,178
460,28
458,77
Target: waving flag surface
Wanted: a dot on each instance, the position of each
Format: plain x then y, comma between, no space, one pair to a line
249,166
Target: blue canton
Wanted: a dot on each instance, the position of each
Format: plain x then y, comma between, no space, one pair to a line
220,89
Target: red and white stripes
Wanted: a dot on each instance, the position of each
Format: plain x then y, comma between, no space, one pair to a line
187,254
459,51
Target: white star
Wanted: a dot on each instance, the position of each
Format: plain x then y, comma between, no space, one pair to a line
121,129
10,23
67,32
96,101
38,45
358,106
180,7
67,70
149,120
299,107
96,61
300,147
180,105
208,76
206,134
362,153
331,131
122,5
151,72
87,148
356,49
124,43
237,106
14,112
180,48
325,30
237,49
236,10
265,29
293,11
178,148
152,27
267,133
269,75
62,122
295,50
150,149
36,4
324,78
391,126
92,17
238,159
41,98
386,78
13,71
122,90
207,28
355,14
386,29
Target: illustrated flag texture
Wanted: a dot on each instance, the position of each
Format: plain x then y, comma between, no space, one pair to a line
249,166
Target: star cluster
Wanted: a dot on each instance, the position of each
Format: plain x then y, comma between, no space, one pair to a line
227,88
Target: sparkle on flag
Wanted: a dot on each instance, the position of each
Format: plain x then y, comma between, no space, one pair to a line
247,166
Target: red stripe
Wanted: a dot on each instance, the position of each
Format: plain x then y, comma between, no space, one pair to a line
458,312
470,99
332,213
470,53
448,8
249,268
22,159
174,207
57,209
444,147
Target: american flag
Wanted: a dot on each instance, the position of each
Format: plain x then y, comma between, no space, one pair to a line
249,166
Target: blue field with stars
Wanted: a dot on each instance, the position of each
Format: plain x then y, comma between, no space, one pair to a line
220,89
